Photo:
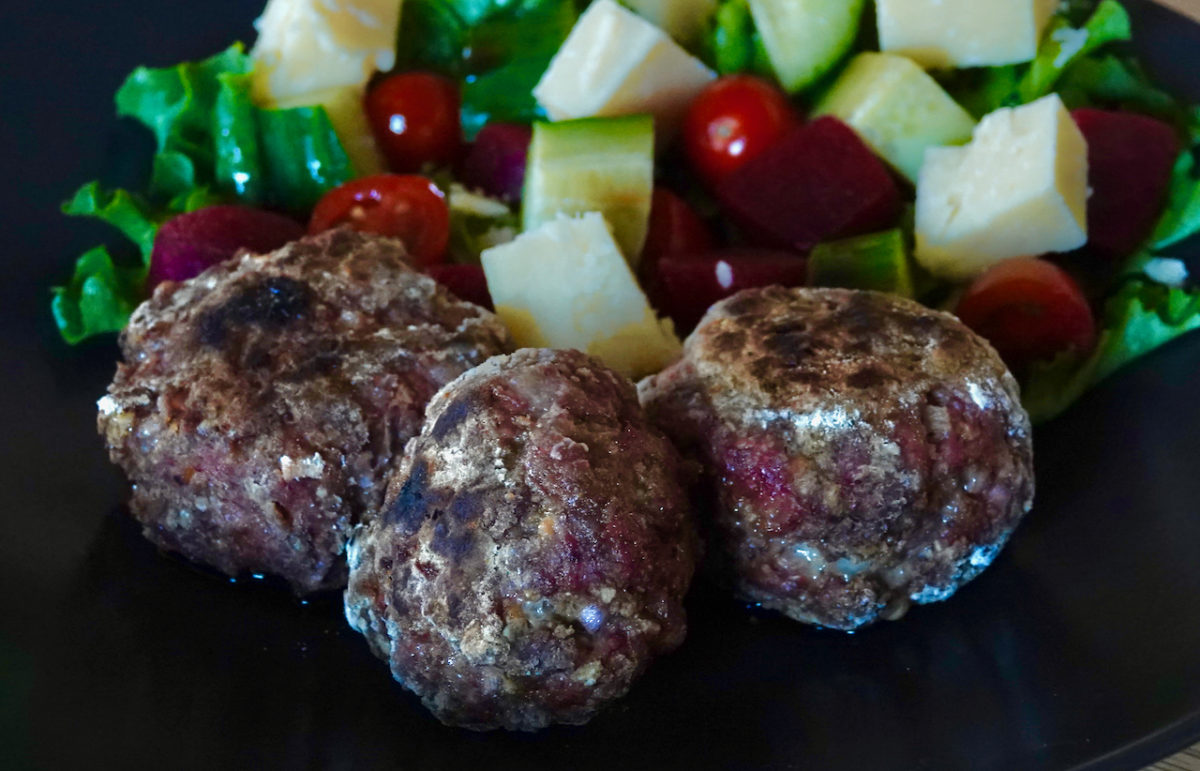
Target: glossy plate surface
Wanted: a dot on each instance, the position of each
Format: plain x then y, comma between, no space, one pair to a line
1080,647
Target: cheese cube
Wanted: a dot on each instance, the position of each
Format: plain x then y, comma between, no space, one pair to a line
897,109
963,33
603,165
1018,189
566,285
684,20
310,46
614,62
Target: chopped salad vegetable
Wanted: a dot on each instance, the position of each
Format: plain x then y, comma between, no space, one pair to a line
213,146
481,172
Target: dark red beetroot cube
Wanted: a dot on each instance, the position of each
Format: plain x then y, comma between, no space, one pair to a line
495,162
1130,158
187,244
686,285
820,182
466,282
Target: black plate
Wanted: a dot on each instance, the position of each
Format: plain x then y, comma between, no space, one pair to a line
1081,646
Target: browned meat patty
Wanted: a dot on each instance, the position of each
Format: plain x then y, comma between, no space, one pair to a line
259,403
534,548
864,452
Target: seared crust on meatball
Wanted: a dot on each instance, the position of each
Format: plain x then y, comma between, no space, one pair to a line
864,452
534,548
259,403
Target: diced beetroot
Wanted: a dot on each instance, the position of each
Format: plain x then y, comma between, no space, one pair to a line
466,282
189,243
686,285
1130,158
818,183
675,228
495,163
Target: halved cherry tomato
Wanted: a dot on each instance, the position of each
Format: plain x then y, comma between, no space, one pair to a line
403,206
415,119
732,120
1029,310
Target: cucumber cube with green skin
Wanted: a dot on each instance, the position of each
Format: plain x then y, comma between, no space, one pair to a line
805,39
601,165
878,261
897,109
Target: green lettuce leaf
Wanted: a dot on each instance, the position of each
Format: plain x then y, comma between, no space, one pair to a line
177,105
983,90
510,51
102,292
497,49
302,156
213,145
127,212
501,95
238,165
1138,318
432,37
99,298
210,134
1066,43
1113,81
1181,219
1063,45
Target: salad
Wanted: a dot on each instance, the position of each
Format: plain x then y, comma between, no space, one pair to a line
601,172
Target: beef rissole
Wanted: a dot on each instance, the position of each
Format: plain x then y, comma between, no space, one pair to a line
259,403
864,452
534,549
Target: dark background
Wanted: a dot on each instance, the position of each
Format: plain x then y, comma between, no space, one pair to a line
1081,645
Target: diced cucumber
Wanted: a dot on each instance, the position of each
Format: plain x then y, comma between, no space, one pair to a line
603,165
805,39
897,109
878,261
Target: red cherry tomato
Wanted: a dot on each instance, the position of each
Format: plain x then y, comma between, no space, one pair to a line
415,119
732,120
403,206
1029,310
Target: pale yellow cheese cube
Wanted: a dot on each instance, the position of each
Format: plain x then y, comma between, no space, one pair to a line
963,33
614,62
683,20
566,285
309,46
1019,189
